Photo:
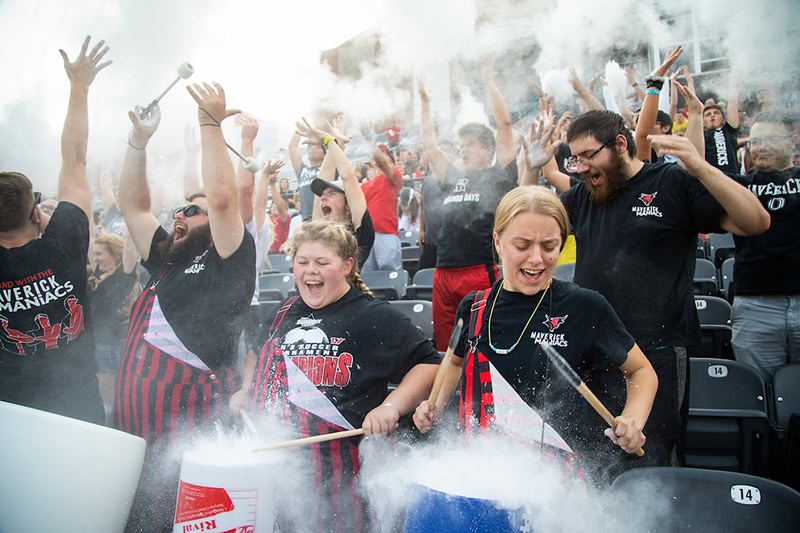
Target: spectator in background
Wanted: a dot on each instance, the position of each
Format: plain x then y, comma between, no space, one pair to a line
285,190
279,212
306,173
408,210
766,308
113,287
47,357
679,123
393,135
381,193
429,215
722,131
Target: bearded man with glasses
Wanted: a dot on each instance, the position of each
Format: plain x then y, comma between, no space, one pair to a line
47,358
180,362
636,226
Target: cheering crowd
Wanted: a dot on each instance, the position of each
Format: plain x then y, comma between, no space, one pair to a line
178,342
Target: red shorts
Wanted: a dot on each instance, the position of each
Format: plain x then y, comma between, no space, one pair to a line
450,285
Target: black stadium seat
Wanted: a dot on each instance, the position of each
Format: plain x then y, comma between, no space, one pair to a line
386,284
715,327
275,286
786,425
421,287
720,247
420,312
694,500
705,278
728,426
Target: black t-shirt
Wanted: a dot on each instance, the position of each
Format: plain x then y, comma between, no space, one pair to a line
46,343
107,300
577,322
365,235
721,148
204,296
467,220
351,350
639,250
113,221
770,263
432,207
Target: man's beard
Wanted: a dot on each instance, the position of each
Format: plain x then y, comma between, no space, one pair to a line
615,177
195,243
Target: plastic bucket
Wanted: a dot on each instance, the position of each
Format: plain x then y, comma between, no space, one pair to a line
227,491
434,510
62,474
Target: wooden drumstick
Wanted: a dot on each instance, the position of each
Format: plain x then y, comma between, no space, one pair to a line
311,440
575,380
448,355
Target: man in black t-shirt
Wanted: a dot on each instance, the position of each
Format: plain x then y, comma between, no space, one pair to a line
465,255
179,366
766,309
721,136
46,348
636,227
306,173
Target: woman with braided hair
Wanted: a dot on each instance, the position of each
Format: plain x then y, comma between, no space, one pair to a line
327,358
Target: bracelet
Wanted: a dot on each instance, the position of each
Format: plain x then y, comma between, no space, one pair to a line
635,84
210,124
136,147
209,115
652,90
328,139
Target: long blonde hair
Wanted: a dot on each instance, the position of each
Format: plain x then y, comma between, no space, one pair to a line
338,238
115,246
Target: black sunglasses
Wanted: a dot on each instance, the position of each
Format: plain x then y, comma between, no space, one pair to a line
189,210
37,199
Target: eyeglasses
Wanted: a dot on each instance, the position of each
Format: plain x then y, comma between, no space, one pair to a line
37,199
188,210
574,160
772,139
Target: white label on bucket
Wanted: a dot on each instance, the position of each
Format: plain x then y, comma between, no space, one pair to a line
215,509
717,371
745,494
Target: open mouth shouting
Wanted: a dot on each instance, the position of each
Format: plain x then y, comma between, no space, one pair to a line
532,276
326,210
180,230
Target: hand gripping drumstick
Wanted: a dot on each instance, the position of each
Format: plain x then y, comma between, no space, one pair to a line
575,380
185,71
448,355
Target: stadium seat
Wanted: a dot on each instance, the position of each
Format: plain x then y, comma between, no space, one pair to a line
705,278
715,327
420,313
728,425
386,284
720,247
727,286
689,499
411,256
280,262
786,408
266,308
701,248
421,287
409,238
275,286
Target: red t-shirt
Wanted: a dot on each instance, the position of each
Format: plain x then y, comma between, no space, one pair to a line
393,134
281,233
381,197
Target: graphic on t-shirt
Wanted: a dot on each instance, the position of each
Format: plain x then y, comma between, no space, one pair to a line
722,147
554,322
777,191
647,210
461,194
318,357
49,328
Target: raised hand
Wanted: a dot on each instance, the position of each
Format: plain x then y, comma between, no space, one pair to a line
367,130
249,126
82,71
211,107
272,168
341,137
537,144
143,128
672,56
312,135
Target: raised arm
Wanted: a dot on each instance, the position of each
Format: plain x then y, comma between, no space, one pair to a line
381,159
277,199
694,128
73,183
506,143
227,229
352,189
732,111
744,214
245,180
631,75
134,192
538,150
106,183
294,153
649,113
262,192
438,159
191,178
128,254
588,98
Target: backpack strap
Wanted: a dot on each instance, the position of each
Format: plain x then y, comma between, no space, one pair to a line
476,317
276,322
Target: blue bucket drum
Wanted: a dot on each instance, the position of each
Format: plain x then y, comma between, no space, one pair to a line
443,512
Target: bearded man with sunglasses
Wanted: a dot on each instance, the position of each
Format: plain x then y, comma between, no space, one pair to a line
179,366
46,346
636,227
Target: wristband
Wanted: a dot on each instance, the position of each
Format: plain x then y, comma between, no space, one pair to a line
655,81
653,90
328,139
136,147
209,124
635,84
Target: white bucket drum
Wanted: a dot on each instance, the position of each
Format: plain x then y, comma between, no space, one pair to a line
62,474
227,490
